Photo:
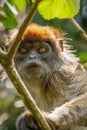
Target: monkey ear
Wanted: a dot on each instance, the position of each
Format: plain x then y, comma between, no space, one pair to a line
60,43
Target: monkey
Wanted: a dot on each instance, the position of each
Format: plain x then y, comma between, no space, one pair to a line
55,78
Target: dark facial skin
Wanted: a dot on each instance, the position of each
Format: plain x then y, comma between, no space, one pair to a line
33,61
34,51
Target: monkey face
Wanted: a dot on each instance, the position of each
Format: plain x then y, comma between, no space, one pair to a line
33,61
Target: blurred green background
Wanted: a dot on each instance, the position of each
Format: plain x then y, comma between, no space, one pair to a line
10,104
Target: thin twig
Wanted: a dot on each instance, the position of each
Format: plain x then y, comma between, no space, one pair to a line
79,29
25,23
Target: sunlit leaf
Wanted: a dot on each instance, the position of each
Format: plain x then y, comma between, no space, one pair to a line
83,56
85,64
10,20
11,2
20,4
50,9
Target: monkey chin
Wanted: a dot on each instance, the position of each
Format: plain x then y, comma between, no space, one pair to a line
34,72
33,68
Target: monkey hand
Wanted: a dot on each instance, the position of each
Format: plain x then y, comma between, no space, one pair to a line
27,122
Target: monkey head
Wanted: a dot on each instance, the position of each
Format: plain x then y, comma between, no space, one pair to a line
45,63
37,53
43,59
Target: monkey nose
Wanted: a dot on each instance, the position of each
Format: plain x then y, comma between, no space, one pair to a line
32,56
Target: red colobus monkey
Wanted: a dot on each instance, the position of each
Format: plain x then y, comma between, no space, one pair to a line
55,78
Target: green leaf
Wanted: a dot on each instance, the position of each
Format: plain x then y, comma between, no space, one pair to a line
85,64
20,4
83,56
50,9
11,2
10,20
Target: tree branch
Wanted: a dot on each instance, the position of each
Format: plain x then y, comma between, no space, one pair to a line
21,30
6,61
21,88
79,29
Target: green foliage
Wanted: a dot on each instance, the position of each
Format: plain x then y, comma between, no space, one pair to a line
20,4
8,108
83,56
10,20
50,9
7,17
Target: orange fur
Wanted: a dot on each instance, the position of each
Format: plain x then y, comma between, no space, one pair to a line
35,32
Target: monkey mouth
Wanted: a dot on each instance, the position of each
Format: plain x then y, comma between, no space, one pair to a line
33,65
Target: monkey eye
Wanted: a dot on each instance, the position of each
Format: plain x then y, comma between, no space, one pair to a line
42,50
23,50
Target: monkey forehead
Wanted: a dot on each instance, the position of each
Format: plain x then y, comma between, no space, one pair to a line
35,32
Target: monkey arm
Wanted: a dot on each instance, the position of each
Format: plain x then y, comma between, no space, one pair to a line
71,113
